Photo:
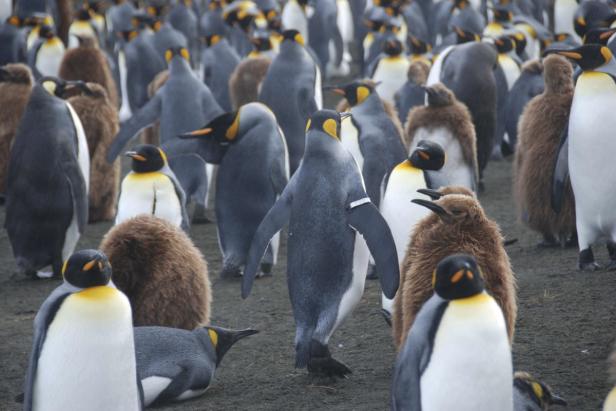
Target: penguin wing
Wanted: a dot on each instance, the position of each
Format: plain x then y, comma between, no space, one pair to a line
561,171
307,103
415,356
364,218
145,116
43,319
273,222
79,192
179,191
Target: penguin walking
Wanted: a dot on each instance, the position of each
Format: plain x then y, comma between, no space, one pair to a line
251,138
458,224
326,203
446,121
83,352
48,181
219,60
151,188
175,365
45,55
591,124
458,345
530,394
540,128
390,71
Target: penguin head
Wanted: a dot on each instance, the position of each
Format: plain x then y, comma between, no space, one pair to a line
326,121
147,158
222,339
457,276
592,14
392,46
242,13
417,45
261,40
428,155
456,211
465,36
87,268
558,75
502,15
217,136
520,42
293,36
588,56
15,73
157,11
504,44
181,52
212,40
15,21
418,72
536,391
375,18
599,35
355,92
460,4
438,95
46,32
83,14
56,86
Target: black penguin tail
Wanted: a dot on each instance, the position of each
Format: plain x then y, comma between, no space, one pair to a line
302,346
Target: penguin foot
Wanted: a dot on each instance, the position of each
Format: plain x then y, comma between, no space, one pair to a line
322,363
230,271
266,270
372,274
586,261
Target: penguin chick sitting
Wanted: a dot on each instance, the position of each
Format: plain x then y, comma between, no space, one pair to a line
175,365
530,394
161,271
446,121
151,188
458,224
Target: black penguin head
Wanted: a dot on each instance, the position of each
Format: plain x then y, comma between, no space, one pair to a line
417,45
504,44
457,277
460,4
212,40
355,92
261,40
224,129
242,13
46,32
428,155
536,391
588,56
592,14
83,14
147,158
392,47
293,36
520,42
599,35
327,121
465,36
87,268
375,18
222,339
502,15
176,51
157,10
438,95
54,85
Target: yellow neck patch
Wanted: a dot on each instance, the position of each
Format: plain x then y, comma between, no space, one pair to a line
214,39
308,124
331,127
163,155
362,93
97,293
537,389
606,53
234,129
299,39
476,299
184,53
213,336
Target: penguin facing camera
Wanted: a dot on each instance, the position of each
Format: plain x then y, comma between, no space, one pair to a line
390,71
45,55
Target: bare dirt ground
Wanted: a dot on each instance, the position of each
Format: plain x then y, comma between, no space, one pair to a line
566,326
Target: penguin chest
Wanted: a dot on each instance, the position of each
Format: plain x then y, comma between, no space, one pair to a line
88,357
564,12
125,111
510,68
349,137
391,73
49,57
149,193
470,361
293,17
435,71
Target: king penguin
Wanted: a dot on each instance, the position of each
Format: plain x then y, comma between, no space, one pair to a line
390,71
458,345
45,55
83,352
325,203
249,147
506,46
591,124
151,188
530,394
292,90
13,40
48,181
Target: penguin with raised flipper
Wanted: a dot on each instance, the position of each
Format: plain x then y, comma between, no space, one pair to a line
325,203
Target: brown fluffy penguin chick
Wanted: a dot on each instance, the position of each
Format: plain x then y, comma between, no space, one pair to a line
418,72
151,135
89,64
539,134
15,87
161,272
245,81
100,123
458,224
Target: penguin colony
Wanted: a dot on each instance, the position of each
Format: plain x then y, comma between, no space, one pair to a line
235,89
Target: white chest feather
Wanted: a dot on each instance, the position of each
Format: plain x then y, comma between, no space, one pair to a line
88,358
349,137
49,57
435,72
564,11
510,68
391,72
293,17
149,193
318,90
470,361
125,111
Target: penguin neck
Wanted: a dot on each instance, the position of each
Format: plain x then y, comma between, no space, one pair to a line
289,48
178,65
320,146
370,103
204,339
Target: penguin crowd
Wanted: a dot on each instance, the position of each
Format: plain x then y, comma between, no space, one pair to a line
348,138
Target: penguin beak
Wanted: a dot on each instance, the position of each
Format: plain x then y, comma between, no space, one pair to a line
565,53
336,90
88,266
556,400
135,156
581,21
433,194
437,209
197,133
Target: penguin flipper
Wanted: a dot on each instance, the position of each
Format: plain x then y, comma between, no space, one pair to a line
146,115
364,217
561,171
273,222
179,191
79,192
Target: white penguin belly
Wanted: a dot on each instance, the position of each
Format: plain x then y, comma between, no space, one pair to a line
49,57
152,387
149,193
125,111
435,72
392,74
349,137
510,68
456,170
470,367
564,12
88,359
345,20
318,91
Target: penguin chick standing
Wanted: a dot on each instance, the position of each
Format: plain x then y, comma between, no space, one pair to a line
83,353
458,224
161,272
151,188
48,180
390,71
530,394
253,171
540,128
457,346
446,121
175,365
325,203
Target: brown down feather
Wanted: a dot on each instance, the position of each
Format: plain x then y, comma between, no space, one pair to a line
245,81
418,72
14,96
471,232
161,272
151,135
539,133
100,123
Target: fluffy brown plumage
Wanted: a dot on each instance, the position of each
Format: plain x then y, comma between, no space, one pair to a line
418,72
15,88
151,135
539,131
464,229
245,82
161,272
100,123
89,64
453,115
